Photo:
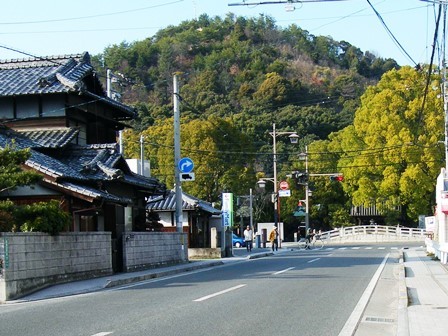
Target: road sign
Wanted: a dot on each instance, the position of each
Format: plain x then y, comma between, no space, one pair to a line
226,218
284,185
186,165
185,177
284,193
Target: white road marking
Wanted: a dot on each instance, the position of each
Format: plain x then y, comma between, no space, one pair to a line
381,248
352,322
219,293
283,271
342,248
368,248
103,333
313,260
356,248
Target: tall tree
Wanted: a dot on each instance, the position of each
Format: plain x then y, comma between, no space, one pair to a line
222,154
390,156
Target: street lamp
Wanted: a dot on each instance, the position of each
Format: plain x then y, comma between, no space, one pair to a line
294,138
304,156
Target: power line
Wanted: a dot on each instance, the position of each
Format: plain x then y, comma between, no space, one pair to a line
91,16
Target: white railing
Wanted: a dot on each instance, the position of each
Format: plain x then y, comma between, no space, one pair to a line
368,231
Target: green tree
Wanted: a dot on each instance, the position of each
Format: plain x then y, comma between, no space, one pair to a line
220,152
43,216
11,173
390,156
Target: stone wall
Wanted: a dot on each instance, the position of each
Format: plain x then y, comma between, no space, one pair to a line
32,261
144,250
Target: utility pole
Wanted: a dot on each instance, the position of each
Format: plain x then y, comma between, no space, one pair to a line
178,186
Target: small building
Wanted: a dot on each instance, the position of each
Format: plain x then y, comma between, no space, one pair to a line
199,217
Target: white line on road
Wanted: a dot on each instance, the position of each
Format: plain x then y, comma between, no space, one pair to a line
352,322
283,271
381,248
313,260
103,333
356,248
369,248
219,293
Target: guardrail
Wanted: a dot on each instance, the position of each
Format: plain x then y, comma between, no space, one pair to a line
375,232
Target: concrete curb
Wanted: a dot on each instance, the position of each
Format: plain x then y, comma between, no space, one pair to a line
402,313
160,273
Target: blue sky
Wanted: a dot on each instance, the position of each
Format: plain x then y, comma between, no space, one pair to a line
55,27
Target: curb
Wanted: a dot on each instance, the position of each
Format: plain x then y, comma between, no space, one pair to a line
159,274
402,314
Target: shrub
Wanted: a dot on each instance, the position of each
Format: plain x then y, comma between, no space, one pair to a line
42,217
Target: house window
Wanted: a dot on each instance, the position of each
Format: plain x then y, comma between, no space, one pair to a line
87,223
6,108
53,106
27,107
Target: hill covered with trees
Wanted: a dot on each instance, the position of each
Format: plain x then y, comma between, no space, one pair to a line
239,76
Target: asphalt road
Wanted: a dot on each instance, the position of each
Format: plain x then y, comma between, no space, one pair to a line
295,293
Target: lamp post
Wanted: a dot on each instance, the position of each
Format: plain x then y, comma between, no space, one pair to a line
304,156
294,138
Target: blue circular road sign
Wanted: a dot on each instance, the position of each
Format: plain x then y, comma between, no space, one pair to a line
186,165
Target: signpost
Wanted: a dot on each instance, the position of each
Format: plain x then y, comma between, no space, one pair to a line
284,185
185,167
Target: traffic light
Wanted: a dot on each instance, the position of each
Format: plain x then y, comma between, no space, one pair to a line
338,178
301,177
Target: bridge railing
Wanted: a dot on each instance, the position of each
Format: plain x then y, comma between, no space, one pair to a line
377,230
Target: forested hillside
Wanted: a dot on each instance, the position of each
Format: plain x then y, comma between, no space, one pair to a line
239,76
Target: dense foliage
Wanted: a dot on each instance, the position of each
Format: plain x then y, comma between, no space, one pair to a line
239,76
46,217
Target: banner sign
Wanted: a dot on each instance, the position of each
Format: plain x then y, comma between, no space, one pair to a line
227,209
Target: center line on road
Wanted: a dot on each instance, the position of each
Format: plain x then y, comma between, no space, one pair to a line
219,293
313,260
283,271
103,333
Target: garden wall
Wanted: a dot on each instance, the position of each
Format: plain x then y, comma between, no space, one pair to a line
144,250
32,261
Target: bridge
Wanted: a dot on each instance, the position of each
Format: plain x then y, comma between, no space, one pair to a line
374,233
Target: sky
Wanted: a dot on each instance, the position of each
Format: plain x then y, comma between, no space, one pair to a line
55,27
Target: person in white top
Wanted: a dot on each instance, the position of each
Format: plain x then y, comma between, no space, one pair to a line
248,237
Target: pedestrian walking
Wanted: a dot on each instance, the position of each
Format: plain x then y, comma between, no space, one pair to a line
248,238
273,238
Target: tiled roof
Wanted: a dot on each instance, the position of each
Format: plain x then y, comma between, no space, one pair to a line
188,203
40,76
55,74
91,192
80,168
8,137
51,138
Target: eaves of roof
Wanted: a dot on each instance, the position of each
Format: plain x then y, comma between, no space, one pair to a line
89,193
189,203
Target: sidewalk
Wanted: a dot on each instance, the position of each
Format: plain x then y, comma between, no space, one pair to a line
410,297
427,288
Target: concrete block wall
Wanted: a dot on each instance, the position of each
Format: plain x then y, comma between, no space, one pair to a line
34,260
144,250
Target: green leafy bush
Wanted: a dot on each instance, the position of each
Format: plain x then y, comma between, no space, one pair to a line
42,217
7,222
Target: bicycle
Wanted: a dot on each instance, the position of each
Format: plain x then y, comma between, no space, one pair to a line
316,243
